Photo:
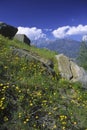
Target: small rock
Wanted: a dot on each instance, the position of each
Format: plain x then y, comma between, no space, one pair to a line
22,38
50,63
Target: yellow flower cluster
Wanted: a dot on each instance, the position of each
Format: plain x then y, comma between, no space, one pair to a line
63,117
2,90
19,115
63,120
26,120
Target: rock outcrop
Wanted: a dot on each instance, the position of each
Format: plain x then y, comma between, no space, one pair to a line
29,57
22,38
70,70
7,30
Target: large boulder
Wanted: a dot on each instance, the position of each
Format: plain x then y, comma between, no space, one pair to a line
22,38
64,66
77,71
70,70
7,30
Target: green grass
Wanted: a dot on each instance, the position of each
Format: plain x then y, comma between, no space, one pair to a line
33,99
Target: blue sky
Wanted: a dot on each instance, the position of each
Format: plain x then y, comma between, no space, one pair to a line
46,18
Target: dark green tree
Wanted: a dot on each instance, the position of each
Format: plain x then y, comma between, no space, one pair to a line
82,57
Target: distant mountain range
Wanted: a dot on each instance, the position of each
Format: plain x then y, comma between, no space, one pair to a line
68,47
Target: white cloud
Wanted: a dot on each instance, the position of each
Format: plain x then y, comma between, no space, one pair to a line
80,29
60,32
84,38
65,31
33,33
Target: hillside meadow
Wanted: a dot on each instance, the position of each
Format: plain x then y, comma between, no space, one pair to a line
31,98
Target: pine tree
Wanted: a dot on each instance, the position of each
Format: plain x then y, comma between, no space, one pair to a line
82,58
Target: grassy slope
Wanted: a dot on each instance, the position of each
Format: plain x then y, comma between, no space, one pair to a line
32,99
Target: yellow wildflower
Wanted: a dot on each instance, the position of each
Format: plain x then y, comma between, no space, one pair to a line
27,119
5,118
74,123
25,122
36,117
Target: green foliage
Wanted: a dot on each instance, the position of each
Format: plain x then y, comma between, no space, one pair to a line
82,58
33,99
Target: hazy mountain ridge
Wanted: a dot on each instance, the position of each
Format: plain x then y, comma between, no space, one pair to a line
66,46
